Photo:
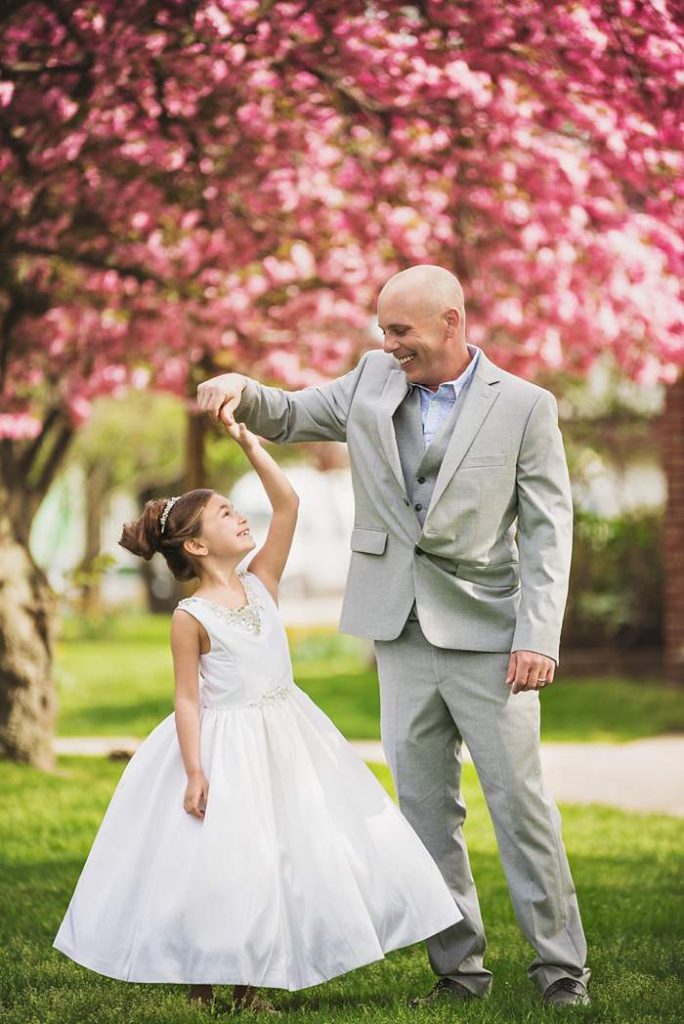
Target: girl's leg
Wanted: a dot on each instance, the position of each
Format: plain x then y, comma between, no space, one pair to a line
247,997
244,995
201,994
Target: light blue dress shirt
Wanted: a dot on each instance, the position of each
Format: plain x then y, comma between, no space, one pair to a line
435,406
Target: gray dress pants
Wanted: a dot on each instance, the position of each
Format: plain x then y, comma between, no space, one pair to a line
432,699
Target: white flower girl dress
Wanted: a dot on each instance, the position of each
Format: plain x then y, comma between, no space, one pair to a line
302,868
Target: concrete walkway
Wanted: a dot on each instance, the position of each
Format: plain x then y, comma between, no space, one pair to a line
643,775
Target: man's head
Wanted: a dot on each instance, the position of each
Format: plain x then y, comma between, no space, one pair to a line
422,316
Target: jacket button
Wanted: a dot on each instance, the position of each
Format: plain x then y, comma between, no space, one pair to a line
421,479
418,507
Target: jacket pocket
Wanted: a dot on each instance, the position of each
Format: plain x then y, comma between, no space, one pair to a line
498,574
498,459
371,542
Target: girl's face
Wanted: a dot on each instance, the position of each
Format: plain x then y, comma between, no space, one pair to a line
225,531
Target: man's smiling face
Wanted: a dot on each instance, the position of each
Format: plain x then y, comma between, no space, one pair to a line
418,340
421,313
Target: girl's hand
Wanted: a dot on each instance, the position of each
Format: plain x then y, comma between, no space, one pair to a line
244,437
196,795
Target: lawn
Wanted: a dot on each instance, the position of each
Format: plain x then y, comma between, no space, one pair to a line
118,681
627,870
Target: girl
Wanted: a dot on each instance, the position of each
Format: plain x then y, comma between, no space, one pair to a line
246,842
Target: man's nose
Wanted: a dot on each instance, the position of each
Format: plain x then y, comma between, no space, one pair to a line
389,345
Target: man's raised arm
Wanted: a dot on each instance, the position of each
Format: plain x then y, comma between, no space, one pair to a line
316,413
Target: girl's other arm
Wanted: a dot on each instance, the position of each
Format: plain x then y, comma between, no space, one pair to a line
185,649
269,562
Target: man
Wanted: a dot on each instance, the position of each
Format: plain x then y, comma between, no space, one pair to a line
449,455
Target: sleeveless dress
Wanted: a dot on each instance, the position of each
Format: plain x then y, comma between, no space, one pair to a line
302,868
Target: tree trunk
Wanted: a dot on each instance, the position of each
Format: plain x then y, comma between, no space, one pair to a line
96,491
672,439
195,469
27,605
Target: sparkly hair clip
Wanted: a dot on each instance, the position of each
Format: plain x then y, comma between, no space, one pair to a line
165,514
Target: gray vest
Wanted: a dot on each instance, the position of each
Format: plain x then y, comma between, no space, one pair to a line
421,465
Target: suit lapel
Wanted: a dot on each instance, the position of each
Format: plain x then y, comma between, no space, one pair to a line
392,394
478,400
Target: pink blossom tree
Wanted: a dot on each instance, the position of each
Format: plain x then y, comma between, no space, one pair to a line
188,185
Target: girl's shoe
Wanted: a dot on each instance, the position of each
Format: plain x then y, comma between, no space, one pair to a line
248,1000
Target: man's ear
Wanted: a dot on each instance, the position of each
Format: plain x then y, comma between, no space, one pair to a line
453,319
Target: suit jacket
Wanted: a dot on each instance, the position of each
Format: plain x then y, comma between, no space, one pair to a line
489,566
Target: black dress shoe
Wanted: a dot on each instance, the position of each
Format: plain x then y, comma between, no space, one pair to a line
444,988
566,992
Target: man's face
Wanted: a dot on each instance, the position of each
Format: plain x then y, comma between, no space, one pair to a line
421,341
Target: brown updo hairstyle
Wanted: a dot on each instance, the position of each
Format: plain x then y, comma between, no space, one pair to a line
143,536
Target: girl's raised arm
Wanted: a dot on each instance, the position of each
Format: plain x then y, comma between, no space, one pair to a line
269,562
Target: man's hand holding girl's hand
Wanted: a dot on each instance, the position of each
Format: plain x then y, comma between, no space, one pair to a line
220,396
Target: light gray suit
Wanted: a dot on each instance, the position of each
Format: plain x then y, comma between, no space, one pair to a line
460,554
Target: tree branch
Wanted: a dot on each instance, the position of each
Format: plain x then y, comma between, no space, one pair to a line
87,259
29,458
53,461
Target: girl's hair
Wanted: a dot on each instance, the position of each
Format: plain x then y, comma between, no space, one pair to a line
143,536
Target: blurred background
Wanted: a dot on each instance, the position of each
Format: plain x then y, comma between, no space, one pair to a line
134,448
189,188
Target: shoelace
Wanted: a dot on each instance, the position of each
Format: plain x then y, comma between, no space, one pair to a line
569,984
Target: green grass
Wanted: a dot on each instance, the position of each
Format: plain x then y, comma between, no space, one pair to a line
627,869
118,681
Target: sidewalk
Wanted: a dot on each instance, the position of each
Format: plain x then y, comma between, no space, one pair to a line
643,775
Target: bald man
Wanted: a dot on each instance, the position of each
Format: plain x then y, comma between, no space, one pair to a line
459,573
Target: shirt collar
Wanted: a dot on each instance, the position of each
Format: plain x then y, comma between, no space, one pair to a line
459,382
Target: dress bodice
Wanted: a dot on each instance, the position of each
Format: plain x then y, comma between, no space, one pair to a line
248,663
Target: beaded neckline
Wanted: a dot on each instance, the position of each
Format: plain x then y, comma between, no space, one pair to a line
247,615
225,607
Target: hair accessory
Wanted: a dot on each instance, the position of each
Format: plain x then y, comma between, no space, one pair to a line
165,514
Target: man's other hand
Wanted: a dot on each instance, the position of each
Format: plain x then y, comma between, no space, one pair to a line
529,670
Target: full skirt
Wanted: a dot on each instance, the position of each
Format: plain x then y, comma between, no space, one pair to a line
302,868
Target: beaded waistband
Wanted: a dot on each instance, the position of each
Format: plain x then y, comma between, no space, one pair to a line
278,693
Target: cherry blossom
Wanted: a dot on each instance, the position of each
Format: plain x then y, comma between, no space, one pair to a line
229,183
